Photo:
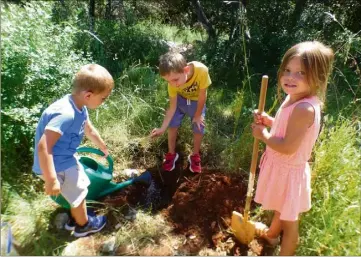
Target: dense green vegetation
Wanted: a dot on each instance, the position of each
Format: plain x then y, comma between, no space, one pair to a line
44,43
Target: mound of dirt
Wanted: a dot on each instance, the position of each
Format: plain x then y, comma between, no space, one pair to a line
201,209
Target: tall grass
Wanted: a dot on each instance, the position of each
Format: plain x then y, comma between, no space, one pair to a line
31,219
332,227
179,35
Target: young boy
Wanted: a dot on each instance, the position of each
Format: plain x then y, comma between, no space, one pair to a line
59,132
187,89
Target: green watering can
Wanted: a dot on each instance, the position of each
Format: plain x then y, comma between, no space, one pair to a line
100,177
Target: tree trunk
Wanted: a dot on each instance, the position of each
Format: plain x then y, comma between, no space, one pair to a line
203,19
240,8
300,5
92,14
234,31
121,13
108,10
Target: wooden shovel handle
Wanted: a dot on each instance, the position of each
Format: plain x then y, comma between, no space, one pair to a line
261,104
262,97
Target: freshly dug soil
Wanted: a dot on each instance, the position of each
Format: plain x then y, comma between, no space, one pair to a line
198,206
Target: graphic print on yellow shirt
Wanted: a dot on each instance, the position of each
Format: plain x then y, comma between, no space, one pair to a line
199,80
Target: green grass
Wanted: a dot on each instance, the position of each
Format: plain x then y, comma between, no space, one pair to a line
30,219
145,235
332,226
178,35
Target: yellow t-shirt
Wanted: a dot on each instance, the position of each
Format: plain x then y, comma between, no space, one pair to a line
190,90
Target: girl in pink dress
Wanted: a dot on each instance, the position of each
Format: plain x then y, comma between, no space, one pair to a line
284,183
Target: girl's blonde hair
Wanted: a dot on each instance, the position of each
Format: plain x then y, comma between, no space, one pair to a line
171,62
316,60
93,78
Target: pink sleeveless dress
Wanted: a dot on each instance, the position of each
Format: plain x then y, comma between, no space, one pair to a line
284,182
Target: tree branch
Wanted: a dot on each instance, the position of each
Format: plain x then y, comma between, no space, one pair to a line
203,19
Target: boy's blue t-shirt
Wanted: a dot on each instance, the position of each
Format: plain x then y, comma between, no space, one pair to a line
65,118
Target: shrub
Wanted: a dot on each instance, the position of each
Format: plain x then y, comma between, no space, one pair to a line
38,63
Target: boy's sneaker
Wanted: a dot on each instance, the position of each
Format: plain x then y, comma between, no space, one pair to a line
70,224
169,161
195,163
94,224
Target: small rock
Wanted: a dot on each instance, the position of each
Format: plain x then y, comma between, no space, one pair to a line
230,240
108,246
131,215
118,226
217,238
130,173
61,219
211,252
185,241
191,237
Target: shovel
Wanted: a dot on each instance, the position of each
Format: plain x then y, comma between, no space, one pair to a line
242,227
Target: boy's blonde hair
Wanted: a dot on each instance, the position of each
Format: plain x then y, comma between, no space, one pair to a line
171,62
316,60
93,78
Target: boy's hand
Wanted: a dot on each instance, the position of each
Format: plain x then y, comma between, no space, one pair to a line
199,120
52,187
105,151
262,118
156,132
259,131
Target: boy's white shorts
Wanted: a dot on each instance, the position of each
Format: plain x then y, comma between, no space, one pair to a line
73,184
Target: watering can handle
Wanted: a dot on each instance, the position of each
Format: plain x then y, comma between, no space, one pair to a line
85,149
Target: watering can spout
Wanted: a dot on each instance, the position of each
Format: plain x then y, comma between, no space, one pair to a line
144,178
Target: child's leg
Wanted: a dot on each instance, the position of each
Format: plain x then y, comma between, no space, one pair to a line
172,138
80,214
275,228
195,159
74,190
197,132
175,123
271,235
290,237
86,224
197,141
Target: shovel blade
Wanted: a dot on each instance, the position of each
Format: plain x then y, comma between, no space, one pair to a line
243,230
